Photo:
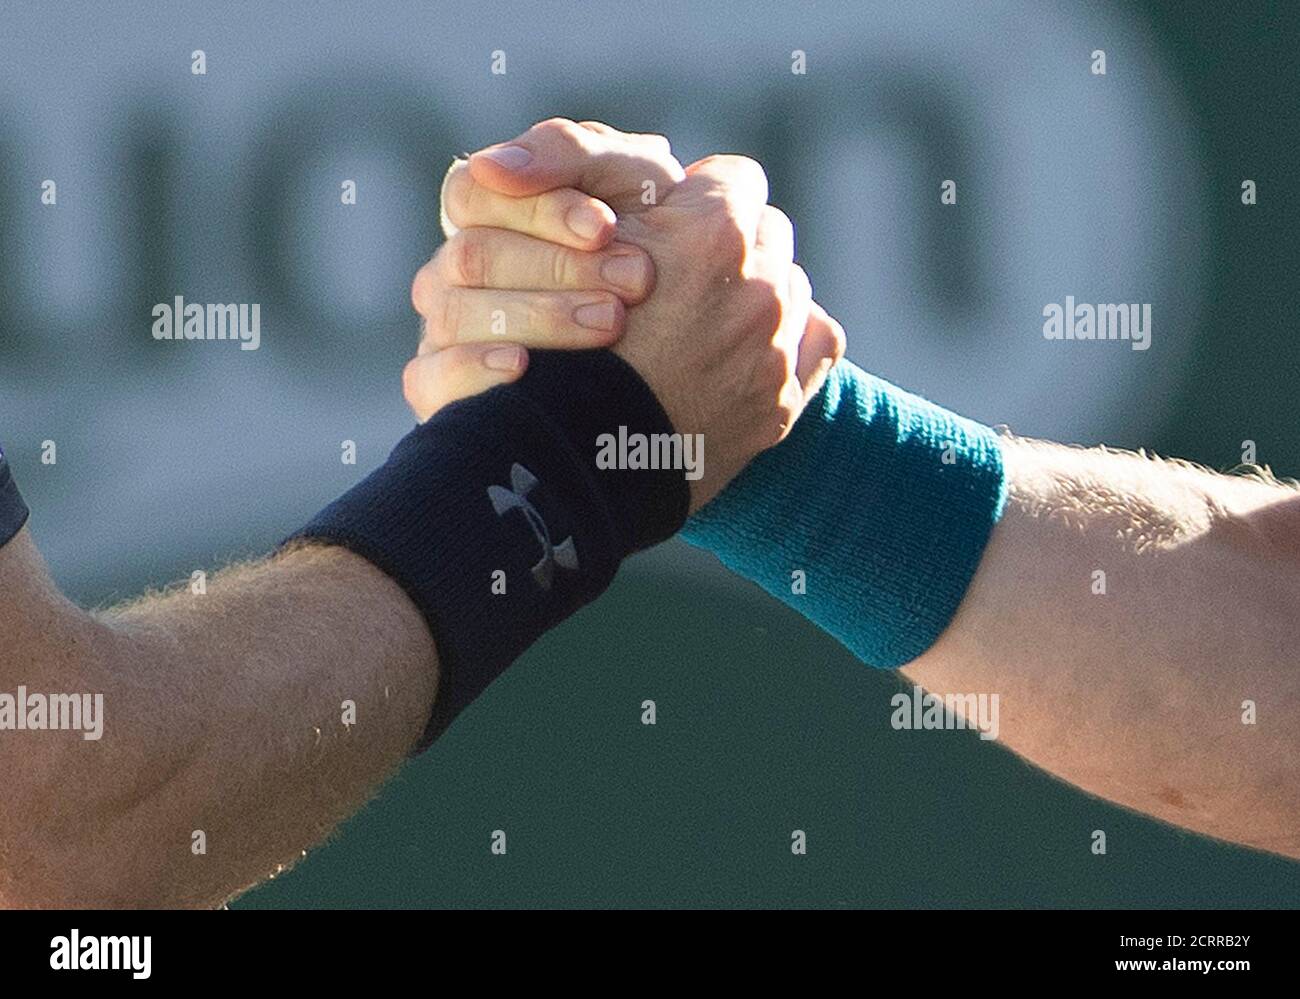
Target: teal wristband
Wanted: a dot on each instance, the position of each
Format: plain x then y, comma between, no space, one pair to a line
882,500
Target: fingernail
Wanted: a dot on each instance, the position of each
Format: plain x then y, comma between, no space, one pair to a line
628,271
587,221
510,157
503,358
596,316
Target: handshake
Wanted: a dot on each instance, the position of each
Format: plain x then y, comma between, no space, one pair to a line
596,313
578,237
665,309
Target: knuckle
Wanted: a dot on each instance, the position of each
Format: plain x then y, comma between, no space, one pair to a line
747,173
778,218
800,286
779,225
841,342
561,267
543,314
755,169
456,193
724,239
556,123
565,129
775,372
534,213
467,258
444,317
766,305
422,288
659,142
411,381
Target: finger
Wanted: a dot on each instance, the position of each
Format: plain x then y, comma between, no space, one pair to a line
432,381
738,181
560,153
564,216
774,235
821,348
499,258
798,306
560,320
736,171
659,142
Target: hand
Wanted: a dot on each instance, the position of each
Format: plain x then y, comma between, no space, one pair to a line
729,341
515,270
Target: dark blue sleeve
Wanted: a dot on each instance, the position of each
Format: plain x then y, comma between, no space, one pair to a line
13,511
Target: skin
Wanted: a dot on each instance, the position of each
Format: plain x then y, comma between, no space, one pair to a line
1135,695
224,712
714,247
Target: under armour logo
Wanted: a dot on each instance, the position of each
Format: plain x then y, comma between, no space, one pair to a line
565,555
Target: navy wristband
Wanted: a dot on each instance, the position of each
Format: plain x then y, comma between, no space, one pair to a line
504,488
13,511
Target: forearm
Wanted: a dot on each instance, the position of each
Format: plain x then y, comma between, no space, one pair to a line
227,747
231,713
1135,693
1132,685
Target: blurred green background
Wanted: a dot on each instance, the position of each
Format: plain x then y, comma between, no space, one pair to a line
225,188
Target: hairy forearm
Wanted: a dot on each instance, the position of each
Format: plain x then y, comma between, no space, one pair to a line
240,726
1132,685
253,717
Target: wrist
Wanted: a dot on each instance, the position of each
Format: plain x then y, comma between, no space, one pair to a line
497,518
870,518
